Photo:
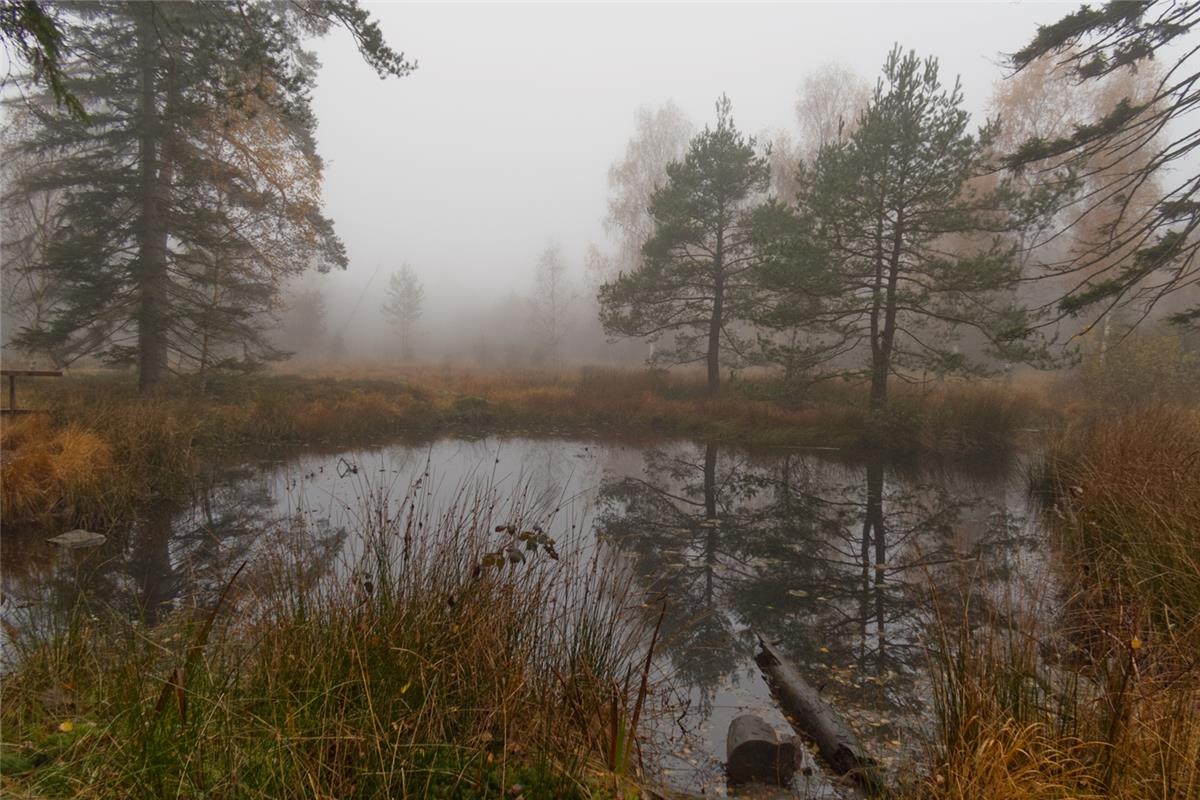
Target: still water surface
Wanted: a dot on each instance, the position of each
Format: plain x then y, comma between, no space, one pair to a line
833,558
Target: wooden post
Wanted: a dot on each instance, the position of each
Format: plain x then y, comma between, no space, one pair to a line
12,374
754,753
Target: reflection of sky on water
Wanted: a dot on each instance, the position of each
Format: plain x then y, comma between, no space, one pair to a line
832,560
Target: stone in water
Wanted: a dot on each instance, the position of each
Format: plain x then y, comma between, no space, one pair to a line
78,539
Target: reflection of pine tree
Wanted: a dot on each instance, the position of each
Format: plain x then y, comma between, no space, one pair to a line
827,561
182,553
676,522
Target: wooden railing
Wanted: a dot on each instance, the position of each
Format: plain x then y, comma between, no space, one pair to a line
12,374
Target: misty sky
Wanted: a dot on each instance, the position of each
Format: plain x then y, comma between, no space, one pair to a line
502,139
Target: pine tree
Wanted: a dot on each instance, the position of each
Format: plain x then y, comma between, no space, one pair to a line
696,278
550,305
405,303
31,37
192,188
918,247
1122,152
304,323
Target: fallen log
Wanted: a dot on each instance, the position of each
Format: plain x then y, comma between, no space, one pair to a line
817,720
754,753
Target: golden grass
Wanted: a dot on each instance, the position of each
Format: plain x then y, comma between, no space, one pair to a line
45,469
1013,762
1122,725
1126,486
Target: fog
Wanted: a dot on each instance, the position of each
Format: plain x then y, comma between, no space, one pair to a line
499,148
500,142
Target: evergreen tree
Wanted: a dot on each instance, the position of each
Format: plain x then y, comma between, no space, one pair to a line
1124,150
795,285
27,295
304,324
192,188
917,245
696,279
31,36
550,305
405,302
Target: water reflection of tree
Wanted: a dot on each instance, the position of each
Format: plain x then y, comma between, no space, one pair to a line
175,552
831,562
182,551
674,522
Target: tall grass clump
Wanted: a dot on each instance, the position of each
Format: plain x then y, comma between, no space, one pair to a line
975,418
1097,692
1127,491
1047,711
44,469
447,652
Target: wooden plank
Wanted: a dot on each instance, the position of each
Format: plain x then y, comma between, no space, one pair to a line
812,716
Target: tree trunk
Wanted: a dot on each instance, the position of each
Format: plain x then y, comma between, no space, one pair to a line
881,361
152,276
879,376
712,532
214,278
812,716
714,339
718,311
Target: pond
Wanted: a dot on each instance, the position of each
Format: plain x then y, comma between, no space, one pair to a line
832,557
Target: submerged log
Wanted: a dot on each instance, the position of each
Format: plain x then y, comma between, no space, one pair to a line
817,720
754,753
